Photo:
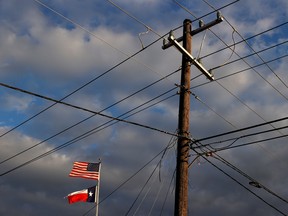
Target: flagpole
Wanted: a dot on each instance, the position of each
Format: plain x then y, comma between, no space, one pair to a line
98,186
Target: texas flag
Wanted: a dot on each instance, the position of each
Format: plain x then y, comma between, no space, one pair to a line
86,195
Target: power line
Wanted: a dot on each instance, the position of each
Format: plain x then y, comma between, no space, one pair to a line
249,143
242,129
209,153
78,89
244,104
246,135
248,177
250,68
240,71
79,26
76,139
247,56
67,20
84,109
142,89
234,29
89,133
133,17
73,22
128,179
99,38
207,14
241,184
152,173
98,128
246,39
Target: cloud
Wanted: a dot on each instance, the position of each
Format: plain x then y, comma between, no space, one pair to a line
17,103
45,54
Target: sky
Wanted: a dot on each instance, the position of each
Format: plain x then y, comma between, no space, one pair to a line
106,57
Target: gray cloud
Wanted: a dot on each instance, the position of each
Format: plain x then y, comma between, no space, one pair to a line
43,53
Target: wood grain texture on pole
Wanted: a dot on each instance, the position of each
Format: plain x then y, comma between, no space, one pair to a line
181,190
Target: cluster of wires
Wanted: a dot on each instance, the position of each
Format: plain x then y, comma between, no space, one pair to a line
197,146
208,150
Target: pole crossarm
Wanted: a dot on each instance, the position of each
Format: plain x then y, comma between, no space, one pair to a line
196,31
190,57
172,41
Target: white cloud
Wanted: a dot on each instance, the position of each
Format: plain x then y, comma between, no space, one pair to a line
17,103
41,52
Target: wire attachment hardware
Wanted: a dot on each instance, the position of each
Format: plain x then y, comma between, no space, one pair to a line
189,56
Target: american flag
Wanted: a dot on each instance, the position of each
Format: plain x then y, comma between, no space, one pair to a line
85,170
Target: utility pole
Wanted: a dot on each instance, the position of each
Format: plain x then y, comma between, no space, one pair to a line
181,191
183,144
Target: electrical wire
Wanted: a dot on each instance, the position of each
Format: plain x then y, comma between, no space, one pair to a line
259,116
85,109
246,135
240,71
128,179
201,45
79,26
252,68
136,18
239,183
207,14
242,102
218,157
242,129
91,132
155,200
213,152
78,89
188,11
210,108
249,143
133,17
252,54
94,35
76,139
246,39
145,195
259,185
125,98
170,145
230,123
145,184
73,22
245,63
246,42
166,196
101,39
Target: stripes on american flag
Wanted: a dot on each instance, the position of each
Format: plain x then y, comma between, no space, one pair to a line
85,170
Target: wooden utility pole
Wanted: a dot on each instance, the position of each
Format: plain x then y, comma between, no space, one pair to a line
181,191
183,145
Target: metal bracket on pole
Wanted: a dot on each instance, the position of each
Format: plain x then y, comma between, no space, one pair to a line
190,57
196,31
